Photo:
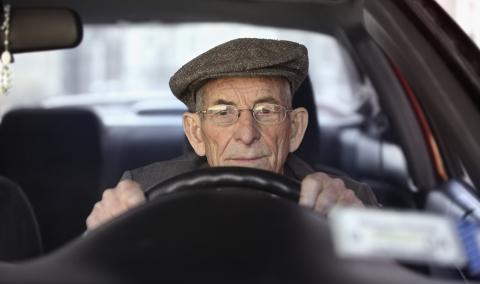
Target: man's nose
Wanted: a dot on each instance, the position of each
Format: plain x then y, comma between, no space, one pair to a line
246,130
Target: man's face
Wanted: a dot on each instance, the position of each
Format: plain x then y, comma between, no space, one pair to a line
246,142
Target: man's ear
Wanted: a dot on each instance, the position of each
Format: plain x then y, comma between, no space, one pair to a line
299,123
192,128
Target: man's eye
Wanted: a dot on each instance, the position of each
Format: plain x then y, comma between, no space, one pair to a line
266,110
222,113
218,110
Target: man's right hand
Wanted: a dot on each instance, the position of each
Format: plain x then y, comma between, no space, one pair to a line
115,201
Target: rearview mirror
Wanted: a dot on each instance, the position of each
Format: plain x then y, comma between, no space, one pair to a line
37,29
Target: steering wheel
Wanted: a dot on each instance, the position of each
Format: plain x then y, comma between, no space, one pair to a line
228,178
218,225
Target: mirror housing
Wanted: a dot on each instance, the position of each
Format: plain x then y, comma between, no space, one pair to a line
38,29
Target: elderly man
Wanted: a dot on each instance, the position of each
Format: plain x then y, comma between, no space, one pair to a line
239,97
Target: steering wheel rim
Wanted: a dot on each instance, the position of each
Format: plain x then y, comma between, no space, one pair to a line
229,177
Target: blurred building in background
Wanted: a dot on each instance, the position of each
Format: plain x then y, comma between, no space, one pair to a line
467,15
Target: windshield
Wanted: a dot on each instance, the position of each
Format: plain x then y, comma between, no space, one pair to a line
126,62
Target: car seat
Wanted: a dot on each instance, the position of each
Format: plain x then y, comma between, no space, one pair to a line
311,149
341,158
55,156
19,233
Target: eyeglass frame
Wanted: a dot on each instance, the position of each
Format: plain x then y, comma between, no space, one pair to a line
239,110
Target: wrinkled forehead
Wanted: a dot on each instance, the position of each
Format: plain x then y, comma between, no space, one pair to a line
246,90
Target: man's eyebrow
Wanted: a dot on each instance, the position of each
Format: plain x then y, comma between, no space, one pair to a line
267,100
259,101
223,102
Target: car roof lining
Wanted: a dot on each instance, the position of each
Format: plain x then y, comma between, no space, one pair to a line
333,14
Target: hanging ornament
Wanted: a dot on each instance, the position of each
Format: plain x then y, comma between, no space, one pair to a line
6,58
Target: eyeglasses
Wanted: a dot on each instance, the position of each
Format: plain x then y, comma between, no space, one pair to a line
224,115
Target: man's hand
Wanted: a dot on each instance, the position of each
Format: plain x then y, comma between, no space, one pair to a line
115,201
320,193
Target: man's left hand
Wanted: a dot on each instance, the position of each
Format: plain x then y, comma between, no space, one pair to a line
320,192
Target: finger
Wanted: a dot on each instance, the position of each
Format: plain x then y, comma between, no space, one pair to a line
338,184
97,216
349,198
128,183
326,200
130,193
135,199
92,222
310,189
112,204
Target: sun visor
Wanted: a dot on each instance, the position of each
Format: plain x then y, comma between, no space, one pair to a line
37,29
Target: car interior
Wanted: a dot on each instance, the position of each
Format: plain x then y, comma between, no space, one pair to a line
60,152
82,156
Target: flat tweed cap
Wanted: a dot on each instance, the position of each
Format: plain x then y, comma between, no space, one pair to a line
241,57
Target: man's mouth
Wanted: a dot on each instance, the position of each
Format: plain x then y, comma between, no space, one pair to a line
246,159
